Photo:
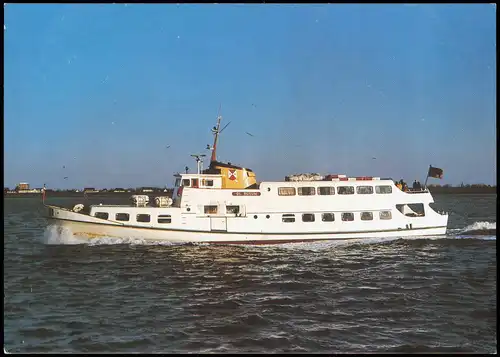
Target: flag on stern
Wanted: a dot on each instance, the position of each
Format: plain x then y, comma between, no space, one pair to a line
435,172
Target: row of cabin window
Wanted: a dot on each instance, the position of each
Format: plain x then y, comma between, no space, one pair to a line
330,190
194,182
143,218
212,209
330,217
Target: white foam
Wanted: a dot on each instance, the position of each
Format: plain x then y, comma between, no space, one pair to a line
60,235
325,245
480,226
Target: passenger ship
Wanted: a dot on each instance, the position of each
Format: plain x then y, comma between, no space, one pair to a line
225,204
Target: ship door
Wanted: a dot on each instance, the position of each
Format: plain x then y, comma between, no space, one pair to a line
218,224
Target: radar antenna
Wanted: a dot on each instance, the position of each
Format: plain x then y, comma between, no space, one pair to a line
199,161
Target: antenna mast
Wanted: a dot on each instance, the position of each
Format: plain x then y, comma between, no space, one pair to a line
199,161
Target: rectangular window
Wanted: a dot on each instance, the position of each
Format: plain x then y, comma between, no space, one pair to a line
345,190
346,217
164,218
208,183
383,189
308,217
288,218
211,209
143,218
232,209
122,217
326,190
101,215
286,191
306,191
366,216
177,182
194,183
186,182
385,215
364,190
328,217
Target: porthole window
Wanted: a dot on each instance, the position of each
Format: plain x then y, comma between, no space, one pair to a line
143,218
101,215
347,217
308,217
122,217
255,216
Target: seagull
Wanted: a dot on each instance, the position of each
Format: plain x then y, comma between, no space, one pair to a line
66,177
167,146
374,158
249,133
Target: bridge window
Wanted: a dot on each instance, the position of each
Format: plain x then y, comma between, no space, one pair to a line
326,190
212,209
383,189
208,183
101,215
177,182
328,217
366,216
364,190
345,190
122,217
286,191
306,191
385,215
143,218
194,183
232,209
346,217
308,217
164,218
288,218
186,182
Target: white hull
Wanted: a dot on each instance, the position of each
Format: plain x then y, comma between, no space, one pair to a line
92,230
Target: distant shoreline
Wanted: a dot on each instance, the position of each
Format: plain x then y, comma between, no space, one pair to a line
64,194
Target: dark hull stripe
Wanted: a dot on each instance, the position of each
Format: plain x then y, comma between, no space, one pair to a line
250,233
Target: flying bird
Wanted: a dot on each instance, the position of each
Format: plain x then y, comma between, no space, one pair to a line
249,133
167,146
66,177
374,158
64,167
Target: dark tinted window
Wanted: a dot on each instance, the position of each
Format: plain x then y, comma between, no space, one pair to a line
143,218
122,217
102,215
328,217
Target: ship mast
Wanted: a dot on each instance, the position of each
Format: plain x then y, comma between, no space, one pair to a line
216,132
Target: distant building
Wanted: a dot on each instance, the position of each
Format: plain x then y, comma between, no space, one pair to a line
90,190
23,186
147,189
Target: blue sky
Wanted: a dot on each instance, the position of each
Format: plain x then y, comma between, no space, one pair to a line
102,89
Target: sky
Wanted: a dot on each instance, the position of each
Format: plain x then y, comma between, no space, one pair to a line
96,92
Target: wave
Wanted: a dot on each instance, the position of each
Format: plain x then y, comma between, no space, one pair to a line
482,230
